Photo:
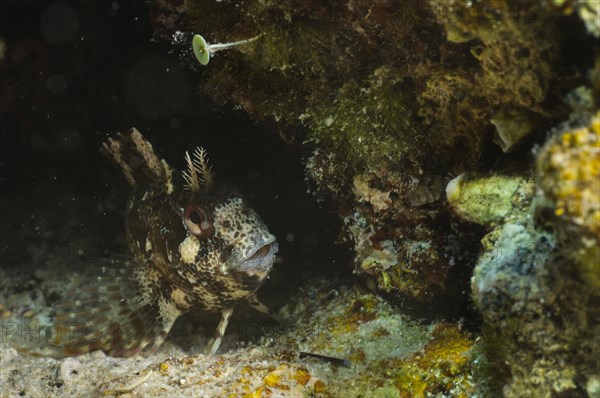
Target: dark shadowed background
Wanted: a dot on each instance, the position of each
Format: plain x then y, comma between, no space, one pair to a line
73,73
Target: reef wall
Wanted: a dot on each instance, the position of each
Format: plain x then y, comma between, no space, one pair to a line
391,100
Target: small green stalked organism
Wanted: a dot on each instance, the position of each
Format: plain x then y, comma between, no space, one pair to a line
203,50
195,246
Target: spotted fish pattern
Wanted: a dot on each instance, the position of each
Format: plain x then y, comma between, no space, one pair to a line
195,246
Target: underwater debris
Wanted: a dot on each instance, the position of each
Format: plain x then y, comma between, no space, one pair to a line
203,50
333,360
130,387
353,324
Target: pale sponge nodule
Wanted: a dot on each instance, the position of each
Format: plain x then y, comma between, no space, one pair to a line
482,199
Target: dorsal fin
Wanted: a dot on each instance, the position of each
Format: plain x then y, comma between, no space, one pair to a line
138,160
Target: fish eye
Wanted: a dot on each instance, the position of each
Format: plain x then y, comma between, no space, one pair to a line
197,221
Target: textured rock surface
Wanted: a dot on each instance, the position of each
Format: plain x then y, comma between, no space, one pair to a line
535,285
391,104
387,353
390,98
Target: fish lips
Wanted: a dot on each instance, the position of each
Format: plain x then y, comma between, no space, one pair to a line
261,260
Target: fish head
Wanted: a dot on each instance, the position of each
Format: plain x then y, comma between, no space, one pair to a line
229,236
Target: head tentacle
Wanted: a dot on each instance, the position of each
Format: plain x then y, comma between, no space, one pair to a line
199,174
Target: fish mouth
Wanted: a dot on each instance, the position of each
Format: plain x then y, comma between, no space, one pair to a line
261,259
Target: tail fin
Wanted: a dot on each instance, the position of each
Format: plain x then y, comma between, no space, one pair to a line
137,159
107,311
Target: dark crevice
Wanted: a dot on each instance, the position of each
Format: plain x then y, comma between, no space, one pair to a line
70,80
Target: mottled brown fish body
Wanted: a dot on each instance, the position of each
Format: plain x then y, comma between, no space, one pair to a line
195,246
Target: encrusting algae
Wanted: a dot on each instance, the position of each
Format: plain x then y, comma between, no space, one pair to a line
537,278
569,177
569,172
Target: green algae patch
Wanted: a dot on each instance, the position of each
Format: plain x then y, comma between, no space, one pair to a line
370,123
